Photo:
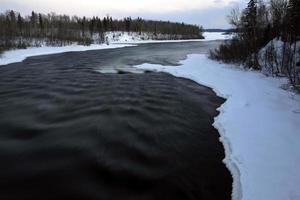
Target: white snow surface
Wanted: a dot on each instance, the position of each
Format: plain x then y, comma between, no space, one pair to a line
18,55
209,36
259,125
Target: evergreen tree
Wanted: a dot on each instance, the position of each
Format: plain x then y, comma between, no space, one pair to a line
127,24
41,23
12,24
18,31
250,32
20,24
105,24
294,18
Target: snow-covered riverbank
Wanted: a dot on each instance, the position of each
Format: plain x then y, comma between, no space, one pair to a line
19,55
136,38
259,126
122,39
259,123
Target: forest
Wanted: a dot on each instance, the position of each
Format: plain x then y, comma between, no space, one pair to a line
17,31
267,38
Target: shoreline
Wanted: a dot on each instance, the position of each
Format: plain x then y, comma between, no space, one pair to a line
249,156
148,135
19,55
237,193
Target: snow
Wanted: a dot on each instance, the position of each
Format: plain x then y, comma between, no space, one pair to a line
259,125
136,38
209,36
126,37
19,55
115,40
271,56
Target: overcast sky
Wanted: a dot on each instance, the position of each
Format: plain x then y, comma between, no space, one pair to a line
209,13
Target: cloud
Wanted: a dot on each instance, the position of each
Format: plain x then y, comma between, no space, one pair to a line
218,1
179,10
115,6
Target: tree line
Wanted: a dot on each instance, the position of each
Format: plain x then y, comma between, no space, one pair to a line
17,31
258,25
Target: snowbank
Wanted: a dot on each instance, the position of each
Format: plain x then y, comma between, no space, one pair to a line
19,55
259,126
136,38
209,36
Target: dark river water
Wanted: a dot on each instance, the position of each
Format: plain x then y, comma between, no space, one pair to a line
68,132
